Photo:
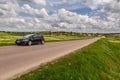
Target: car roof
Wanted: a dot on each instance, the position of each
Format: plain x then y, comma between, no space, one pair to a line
35,34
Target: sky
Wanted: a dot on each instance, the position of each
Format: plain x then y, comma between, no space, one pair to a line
92,16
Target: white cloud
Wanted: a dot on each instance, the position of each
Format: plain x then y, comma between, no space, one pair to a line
8,8
94,3
11,20
38,19
35,12
41,2
112,11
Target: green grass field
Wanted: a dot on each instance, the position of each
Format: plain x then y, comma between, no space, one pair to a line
98,61
9,38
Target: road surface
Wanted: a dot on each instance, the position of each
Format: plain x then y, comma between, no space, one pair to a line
16,60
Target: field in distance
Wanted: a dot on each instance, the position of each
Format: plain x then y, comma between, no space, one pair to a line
8,38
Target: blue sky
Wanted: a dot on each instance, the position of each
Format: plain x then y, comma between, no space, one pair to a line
60,15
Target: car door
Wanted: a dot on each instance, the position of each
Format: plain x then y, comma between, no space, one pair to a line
36,38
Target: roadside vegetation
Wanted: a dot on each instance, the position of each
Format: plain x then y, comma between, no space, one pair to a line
98,61
8,38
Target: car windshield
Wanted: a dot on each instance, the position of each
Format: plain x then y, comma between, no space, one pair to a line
27,36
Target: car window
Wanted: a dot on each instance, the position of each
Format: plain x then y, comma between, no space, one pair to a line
27,36
35,36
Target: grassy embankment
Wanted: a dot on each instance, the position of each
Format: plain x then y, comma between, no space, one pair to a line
99,61
9,38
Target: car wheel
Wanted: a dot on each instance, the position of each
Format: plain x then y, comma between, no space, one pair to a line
42,42
29,43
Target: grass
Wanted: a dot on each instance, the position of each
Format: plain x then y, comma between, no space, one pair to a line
9,38
99,61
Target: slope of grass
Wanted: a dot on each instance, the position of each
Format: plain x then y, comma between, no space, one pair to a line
9,38
99,61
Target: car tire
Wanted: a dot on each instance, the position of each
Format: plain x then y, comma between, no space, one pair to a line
29,43
42,42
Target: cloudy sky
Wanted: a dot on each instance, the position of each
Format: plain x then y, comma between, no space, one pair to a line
60,15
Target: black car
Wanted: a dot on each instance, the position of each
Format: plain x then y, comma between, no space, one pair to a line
30,39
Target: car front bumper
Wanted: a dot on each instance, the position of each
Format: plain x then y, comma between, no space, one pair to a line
21,42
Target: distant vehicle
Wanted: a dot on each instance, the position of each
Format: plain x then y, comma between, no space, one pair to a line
30,39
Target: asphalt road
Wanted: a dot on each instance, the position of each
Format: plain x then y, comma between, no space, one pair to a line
16,60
